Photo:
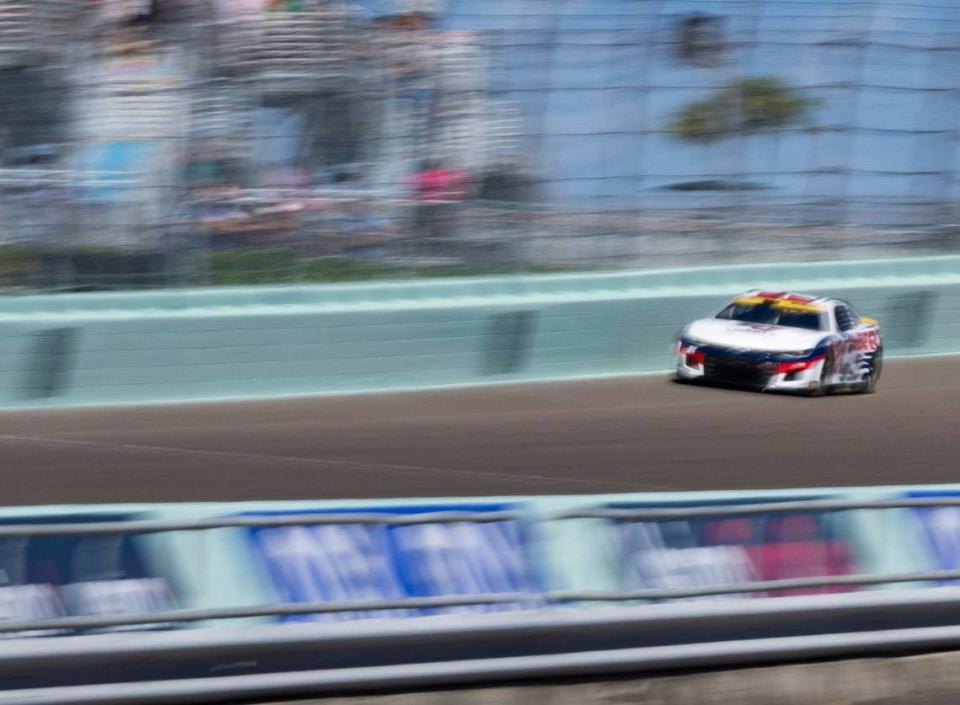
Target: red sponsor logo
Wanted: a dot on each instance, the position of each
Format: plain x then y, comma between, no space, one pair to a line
864,341
782,548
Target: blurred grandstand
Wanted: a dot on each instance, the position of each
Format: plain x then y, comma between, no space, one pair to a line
171,142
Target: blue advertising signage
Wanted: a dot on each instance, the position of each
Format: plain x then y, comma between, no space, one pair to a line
59,576
940,531
362,562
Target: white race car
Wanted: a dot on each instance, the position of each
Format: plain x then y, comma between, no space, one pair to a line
783,342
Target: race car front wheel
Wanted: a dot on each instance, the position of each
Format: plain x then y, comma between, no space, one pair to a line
822,387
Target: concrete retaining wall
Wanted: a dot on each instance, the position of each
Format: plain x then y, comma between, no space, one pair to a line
932,679
247,342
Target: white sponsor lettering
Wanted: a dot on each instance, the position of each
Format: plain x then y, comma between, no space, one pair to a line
29,603
943,525
354,562
127,597
331,564
650,563
463,559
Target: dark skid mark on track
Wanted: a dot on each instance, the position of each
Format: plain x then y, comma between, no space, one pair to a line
615,435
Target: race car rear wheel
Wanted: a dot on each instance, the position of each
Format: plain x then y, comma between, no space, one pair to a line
869,384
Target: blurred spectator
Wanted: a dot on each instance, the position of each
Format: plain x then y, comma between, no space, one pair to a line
438,190
438,183
425,8
38,113
404,47
230,8
358,229
208,172
131,42
287,5
119,12
507,184
148,12
233,217
285,178
32,191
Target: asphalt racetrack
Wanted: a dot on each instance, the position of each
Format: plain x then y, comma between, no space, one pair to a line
613,435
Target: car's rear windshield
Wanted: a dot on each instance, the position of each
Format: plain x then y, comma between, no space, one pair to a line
775,314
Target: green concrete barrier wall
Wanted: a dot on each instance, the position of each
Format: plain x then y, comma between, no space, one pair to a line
272,341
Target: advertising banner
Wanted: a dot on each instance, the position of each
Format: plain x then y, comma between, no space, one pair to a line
939,532
685,554
60,576
356,562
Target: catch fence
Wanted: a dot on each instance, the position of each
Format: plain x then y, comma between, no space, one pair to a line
364,140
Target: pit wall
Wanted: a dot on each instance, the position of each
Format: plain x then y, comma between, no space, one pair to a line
183,345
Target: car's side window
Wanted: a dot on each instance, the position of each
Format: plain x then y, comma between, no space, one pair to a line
846,318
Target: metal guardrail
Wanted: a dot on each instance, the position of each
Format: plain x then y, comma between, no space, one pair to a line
258,662
520,600
758,586
533,640
291,609
736,510
240,522
335,517
524,600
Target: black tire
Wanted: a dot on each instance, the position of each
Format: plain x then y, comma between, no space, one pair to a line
869,385
822,389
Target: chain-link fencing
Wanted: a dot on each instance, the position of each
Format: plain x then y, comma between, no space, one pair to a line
193,142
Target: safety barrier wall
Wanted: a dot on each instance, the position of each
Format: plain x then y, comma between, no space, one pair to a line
248,342
536,551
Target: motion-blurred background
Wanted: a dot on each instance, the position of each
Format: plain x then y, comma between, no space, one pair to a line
150,143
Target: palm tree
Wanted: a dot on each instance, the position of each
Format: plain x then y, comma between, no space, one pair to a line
743,107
